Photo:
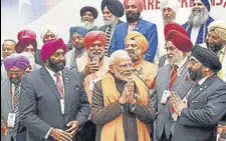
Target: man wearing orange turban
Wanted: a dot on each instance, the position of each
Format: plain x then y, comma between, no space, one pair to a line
136,45
94,64
134,22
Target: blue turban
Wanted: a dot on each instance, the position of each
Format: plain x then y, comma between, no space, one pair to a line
114,6
77,29
207,4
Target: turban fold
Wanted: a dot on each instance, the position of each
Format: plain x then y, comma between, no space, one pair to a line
114,6
182,42
140,40
90,9
138,3
25,37
48,28
207,57
219,28
173,4
174,26
77,29
93,36
207,4
16,60
51,46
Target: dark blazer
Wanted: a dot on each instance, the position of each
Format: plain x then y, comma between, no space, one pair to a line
40,102
206,106
181,86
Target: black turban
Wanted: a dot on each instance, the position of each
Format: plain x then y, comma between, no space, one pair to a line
90,9
207,57
114,6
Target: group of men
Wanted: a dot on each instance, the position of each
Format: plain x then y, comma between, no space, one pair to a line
106,84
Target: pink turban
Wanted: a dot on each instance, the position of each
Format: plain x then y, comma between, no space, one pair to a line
92,36
51,46
138,3
17,61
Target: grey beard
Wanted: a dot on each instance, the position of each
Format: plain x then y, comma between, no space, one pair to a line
87,25
197,20
111,21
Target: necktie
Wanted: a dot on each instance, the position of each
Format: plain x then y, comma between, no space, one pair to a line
173,77
16,110
108,35
59,84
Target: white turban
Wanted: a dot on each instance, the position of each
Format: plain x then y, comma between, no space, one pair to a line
173,4
219,28
48,28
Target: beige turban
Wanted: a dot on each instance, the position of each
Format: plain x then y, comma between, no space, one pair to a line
219,27
140,40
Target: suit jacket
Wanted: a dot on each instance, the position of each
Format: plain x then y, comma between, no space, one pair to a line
6,108
40,102
206,106
181,86
148,29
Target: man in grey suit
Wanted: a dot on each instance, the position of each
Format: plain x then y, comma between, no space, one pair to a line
53,101
178,46
112,10
205,104
15,66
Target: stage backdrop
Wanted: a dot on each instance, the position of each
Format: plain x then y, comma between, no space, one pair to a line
33,14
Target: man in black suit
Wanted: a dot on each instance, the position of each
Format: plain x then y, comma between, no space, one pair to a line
205,104
53,101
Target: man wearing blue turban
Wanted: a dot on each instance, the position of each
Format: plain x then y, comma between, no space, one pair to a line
198,21
76,42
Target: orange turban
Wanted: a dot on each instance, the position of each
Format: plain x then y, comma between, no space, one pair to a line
92,36
139,38
138,3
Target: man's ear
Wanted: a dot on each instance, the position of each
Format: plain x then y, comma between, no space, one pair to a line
111,68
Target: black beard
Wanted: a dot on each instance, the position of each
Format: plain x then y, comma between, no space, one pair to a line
56,66
15,81
132,17
215,49
195,75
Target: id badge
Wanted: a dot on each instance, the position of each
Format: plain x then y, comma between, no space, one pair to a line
91,84
62,106
11,120
165,95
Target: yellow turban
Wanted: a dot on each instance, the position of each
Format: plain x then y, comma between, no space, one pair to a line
219,27
140,40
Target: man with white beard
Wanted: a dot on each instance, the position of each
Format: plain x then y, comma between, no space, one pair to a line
198,21
112,10
88,15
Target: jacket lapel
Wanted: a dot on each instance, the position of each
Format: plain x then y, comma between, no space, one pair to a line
200,88
65,78
8,97
50,82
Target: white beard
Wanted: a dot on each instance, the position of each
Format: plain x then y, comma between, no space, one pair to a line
111,21
87,25
197,19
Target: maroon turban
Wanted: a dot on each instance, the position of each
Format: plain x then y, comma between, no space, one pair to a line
92,36
25,38
17,61
182,42
174,26
51,46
